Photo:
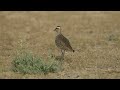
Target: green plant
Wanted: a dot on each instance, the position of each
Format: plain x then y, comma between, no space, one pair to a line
113,38
28,63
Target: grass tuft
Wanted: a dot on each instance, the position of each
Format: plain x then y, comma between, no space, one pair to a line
27,63
113,38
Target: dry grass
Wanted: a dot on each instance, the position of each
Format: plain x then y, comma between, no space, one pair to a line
95,36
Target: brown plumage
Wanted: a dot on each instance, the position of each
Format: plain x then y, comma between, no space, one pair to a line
62,42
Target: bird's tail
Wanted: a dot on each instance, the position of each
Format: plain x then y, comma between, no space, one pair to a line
73,50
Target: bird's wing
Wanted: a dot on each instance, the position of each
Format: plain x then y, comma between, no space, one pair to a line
65,42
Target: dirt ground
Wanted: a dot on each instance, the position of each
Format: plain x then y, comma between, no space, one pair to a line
94,35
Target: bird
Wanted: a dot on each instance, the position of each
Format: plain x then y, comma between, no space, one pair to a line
62,42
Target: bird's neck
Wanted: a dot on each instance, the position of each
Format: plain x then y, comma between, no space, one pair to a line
59,32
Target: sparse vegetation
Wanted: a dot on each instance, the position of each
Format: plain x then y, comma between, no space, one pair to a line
27,63
113,37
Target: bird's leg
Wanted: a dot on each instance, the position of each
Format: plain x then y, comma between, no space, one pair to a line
60,57
62,53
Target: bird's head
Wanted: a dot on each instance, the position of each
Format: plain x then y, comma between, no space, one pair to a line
58,29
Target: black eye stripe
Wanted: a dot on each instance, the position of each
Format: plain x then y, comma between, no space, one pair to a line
58,26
